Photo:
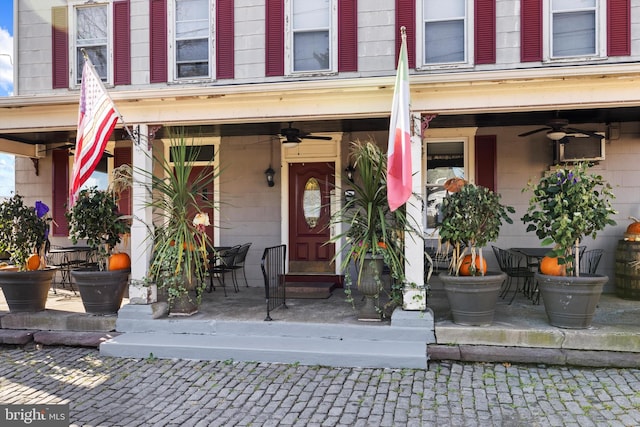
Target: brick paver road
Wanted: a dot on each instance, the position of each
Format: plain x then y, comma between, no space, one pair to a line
104,391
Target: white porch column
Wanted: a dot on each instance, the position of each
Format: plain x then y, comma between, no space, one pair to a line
414,243
141,241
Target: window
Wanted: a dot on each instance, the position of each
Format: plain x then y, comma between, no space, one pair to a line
445,160
448,154
92,25
192,34
311,44
100,176
573,28
444,30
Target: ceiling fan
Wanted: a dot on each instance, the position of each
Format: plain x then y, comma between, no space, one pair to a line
292,136
557,130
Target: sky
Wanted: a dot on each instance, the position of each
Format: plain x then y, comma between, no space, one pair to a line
7,164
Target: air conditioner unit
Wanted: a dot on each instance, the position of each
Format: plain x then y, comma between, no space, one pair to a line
580,147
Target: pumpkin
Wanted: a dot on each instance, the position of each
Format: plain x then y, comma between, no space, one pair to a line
119,261
634,227
465,268
33,262
550,267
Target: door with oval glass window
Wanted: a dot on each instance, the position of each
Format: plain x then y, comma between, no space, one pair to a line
310,186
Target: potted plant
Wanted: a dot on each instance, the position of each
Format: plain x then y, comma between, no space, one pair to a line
181,245
471,217
23,235
374,235
95,217
568,204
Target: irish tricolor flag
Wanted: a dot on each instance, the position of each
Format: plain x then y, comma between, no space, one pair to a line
399,148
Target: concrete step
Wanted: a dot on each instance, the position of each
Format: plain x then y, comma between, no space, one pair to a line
297,290
325,351
399,344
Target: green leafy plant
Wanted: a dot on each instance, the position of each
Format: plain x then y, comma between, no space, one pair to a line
180,252
95,217
23,229
567,205
471,217
371,227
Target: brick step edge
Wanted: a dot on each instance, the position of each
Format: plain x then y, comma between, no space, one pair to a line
52,338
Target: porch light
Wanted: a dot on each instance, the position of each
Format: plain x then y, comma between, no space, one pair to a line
556,135
349,171
270,173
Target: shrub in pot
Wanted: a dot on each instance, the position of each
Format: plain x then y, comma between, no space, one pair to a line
471,217
568,204
181,245
23,236
94,217
374,235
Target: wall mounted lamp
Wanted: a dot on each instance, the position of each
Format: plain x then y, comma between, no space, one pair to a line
349,171
270,173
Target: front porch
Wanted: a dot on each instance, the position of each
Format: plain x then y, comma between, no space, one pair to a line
325,331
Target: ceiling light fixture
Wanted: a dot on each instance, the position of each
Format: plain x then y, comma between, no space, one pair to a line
556,135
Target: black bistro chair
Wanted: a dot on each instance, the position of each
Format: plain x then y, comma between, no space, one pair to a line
515,266
238,264
589,261
220,263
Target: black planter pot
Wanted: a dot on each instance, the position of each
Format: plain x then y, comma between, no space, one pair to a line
570,302
101,291
473,298
26,291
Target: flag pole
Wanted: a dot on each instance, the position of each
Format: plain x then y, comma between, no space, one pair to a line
133,139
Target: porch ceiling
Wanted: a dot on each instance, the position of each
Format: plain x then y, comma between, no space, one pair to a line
528,118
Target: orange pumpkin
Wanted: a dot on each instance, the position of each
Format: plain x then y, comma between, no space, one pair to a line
634,227
33,262
465,268
119,261
550,267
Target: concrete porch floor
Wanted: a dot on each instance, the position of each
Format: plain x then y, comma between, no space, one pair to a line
520,332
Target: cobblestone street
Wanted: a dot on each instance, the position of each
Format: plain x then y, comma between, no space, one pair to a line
106,391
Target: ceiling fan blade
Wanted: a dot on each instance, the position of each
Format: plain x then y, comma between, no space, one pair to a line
324,138
531,132
586,132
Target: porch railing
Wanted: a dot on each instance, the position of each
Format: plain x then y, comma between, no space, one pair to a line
273,270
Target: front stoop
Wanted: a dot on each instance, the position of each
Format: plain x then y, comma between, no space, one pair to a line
401,344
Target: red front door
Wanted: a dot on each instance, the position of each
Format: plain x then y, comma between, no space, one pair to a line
205,196
310,186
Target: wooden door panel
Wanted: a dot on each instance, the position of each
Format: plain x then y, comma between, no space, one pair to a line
308,236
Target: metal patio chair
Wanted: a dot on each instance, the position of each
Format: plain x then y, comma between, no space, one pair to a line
221,263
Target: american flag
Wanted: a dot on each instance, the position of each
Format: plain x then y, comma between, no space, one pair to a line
97,116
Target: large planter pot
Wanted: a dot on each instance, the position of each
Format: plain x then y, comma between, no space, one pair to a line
370,285
26,291
473,298
570,302
185,303
101,291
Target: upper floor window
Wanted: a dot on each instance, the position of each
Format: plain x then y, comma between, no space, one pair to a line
573,29
92,24
192,35
444,31
311,45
